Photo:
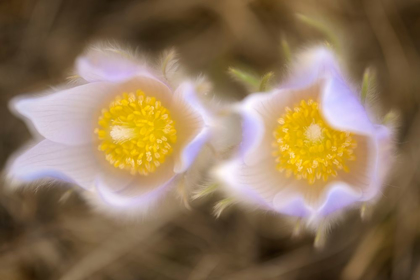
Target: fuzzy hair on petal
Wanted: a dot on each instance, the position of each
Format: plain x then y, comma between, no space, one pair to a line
169,62
110,62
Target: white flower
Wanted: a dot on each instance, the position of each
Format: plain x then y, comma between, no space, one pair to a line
309,147
123,134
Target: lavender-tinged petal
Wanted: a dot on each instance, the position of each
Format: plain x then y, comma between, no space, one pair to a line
187,99
338,197
67,116
382,162
342,108
107,64
49,159
139,189
260,112
311,66
192,129
134,195
253,131
116,179
252,179
258,122
190,151
291,205
227,174
150,86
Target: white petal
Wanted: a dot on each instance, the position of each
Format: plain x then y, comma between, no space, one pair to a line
227,174
142,192
340,105
192,131
374,157
260,112
311,66
226,132
382,161
108,64
253,176
342,108
362,170
49,159
150,86
70,116
115,178
190,151
67,116
142,202
292,205
263,186
339,196
258,184
253,128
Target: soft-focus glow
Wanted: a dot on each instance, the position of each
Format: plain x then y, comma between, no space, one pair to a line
307,147
123,132
136,133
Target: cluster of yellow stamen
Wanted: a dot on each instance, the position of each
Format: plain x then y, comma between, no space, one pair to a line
307,147
136,133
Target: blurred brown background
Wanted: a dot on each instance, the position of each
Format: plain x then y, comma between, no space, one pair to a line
43,237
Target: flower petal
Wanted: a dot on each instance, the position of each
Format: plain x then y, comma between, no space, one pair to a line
339,196
382,162
342,108
115,178
141,201
150,86
190,151
253,128
192,131
49,159
66,116
257,184
362,171
340,104
253,177
260,112
291,205
108,64
227,173
70,116
270,190
142,192
311,66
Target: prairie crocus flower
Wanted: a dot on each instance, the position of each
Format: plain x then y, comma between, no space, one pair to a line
309,147
123,134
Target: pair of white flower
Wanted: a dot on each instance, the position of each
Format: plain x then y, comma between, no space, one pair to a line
308,147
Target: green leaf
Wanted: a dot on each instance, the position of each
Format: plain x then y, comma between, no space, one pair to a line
285,47
205,191
222,205
367,84
247,79
265,80
391,118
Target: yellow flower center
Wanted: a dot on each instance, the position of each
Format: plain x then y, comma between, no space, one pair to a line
136,133
307,147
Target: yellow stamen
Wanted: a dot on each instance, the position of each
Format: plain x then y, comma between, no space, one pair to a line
307,147
136,133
